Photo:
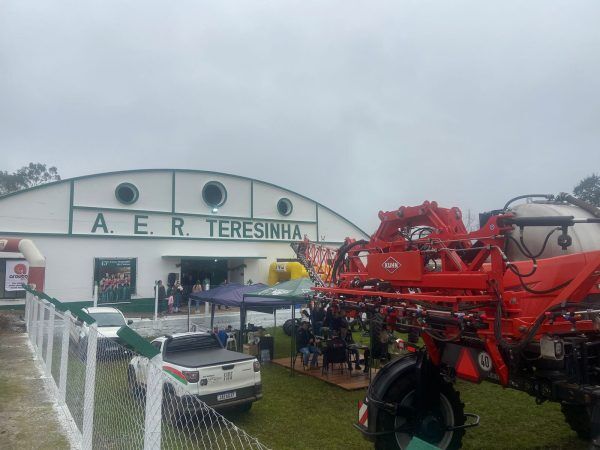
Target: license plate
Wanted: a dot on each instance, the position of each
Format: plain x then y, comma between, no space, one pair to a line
226,396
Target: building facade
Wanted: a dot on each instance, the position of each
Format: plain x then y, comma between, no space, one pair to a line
122,231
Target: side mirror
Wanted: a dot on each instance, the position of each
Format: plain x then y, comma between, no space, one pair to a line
129,322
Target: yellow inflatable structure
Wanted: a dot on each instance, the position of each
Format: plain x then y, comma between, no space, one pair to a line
284,271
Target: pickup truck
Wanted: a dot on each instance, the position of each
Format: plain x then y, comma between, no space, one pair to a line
197,367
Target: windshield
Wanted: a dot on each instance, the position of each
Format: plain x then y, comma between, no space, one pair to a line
109,319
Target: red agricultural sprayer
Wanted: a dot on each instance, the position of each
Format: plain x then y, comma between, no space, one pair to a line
516,302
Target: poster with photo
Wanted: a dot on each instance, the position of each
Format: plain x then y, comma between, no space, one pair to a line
17,271
115,278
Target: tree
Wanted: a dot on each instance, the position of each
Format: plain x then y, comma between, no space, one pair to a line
26,177
588,190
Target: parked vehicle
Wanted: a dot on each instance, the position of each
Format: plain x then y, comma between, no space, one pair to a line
109,321
197,367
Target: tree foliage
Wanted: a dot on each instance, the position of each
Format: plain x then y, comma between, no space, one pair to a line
28,176
588,190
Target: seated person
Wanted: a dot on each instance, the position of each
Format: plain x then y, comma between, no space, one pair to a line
222,336
338,322
305,344
346,335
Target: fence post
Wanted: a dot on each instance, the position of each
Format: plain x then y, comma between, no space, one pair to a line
50,341
26,317
40,328
90,388
153,413
34,316
64,357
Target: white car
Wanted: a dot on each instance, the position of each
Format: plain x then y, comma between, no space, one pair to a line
109,321
197,367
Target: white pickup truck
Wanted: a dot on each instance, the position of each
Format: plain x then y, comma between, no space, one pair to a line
197,367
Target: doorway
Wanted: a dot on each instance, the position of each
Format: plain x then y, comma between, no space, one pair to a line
211,270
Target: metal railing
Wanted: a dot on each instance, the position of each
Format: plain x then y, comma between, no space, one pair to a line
112,407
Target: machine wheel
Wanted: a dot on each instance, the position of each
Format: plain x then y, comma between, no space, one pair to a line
288,326
578,418
449,412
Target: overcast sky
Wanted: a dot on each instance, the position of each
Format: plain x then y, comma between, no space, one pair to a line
359,105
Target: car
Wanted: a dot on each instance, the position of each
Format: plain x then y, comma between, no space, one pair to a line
198,371
109,321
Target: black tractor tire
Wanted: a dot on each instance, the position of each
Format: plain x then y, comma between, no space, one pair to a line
578,418
288,326
449,413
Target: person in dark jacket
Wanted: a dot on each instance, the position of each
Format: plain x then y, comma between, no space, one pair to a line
162,297
178,296
305,344
317,318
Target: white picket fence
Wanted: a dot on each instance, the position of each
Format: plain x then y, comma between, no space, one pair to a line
93,387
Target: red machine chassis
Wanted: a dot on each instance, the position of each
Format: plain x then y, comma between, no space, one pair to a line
424,270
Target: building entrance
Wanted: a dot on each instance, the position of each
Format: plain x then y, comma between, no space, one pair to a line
211,271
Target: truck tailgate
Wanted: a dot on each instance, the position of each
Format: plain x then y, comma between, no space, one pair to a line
210,357
227,379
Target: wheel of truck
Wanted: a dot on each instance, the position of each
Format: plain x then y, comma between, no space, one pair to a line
245,407
136,391
432,428
173,408
578,418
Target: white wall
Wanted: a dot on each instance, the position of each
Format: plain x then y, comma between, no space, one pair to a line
188,194
265,204
44,209
70,261
99,191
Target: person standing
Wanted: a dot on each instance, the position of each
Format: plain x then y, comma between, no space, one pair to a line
162,296
195,290
317,318
178,296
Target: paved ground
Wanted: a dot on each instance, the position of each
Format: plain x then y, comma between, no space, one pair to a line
27,417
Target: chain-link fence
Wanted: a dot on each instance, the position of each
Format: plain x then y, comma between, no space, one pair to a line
117,390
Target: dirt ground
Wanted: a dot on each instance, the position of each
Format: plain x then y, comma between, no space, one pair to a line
27,417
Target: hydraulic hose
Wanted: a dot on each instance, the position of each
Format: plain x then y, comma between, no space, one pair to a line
343,251
546,196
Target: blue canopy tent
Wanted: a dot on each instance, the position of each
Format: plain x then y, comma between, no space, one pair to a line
230,294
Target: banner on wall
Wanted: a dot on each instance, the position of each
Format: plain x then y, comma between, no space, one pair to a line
17,272
115,278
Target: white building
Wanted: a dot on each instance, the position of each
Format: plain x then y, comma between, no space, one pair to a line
195,224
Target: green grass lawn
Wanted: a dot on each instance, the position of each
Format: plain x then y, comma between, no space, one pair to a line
301,412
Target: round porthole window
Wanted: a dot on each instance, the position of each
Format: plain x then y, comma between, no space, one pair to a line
127,193
214,194
284,207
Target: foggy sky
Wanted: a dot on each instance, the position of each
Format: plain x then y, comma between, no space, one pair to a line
361,106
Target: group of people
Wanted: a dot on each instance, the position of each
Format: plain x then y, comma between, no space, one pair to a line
340,346
171,299
333,326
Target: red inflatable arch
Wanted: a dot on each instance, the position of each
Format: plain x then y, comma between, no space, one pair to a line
37,262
